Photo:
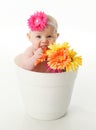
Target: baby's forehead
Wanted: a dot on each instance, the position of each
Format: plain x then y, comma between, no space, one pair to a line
49,30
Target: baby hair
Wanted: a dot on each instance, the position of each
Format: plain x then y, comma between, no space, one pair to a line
52,22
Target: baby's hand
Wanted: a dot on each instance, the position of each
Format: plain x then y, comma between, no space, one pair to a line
38,53
42,58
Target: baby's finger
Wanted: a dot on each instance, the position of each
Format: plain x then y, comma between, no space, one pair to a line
39,51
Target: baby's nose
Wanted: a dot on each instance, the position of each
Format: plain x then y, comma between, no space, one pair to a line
45,40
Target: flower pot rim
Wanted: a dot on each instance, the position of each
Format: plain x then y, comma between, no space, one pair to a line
42,73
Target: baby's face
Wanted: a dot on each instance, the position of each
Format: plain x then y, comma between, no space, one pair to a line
41,39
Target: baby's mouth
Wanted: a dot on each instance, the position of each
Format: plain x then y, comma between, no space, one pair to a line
44,46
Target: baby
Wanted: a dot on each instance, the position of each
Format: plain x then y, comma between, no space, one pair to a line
43,32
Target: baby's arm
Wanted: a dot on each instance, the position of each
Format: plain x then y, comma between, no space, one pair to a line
30,57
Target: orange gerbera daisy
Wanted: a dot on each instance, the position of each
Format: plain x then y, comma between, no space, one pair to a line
42,58
59,59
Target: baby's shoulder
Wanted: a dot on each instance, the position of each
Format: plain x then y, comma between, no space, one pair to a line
29,51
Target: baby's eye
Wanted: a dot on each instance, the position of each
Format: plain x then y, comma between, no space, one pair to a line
49,36
38,36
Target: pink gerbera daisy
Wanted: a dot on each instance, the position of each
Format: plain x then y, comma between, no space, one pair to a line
38,21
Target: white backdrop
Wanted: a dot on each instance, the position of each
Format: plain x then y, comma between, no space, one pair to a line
77,25
75,19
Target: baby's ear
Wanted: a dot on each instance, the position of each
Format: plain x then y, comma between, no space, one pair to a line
58,35
28,35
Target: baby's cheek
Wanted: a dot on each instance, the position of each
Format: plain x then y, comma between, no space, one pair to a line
54,40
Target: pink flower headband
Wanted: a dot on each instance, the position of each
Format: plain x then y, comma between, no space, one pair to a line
37,21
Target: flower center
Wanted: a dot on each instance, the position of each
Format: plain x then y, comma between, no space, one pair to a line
37,22
60,58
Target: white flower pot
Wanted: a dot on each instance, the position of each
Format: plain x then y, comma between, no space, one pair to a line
46,95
